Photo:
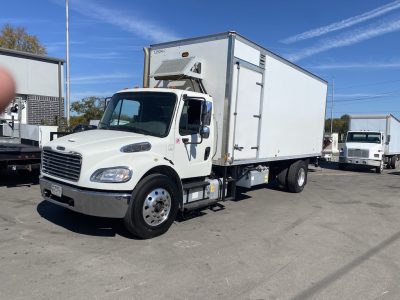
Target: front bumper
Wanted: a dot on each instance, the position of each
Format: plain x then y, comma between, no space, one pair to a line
89,202
359,161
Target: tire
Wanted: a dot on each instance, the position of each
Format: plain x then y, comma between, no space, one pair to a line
282,177
341,166
297,176
379,169
393,162
153,207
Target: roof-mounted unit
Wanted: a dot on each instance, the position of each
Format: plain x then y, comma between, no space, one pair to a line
188,67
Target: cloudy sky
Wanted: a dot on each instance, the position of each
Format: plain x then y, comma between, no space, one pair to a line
354,44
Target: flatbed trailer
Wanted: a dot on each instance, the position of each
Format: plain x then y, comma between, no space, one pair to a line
18,156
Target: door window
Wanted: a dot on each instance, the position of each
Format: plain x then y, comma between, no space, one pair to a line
190,122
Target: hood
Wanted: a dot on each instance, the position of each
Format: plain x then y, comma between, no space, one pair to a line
102,149
88,142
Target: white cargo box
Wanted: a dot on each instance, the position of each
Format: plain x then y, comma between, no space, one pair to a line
388,124
266,108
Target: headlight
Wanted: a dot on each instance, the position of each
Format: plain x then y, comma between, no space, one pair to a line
112,175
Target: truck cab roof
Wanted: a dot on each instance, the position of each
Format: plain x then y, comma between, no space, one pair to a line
164,90
366,131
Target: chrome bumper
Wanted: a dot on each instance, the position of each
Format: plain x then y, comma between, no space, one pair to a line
359,161
94,203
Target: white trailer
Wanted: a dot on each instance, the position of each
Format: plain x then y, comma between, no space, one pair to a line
372,141
215,113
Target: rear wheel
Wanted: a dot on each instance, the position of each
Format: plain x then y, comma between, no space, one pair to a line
394,162
297,176
153,207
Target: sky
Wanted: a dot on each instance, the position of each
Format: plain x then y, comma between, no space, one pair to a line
354,45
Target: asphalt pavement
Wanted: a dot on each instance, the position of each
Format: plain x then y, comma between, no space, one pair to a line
338,239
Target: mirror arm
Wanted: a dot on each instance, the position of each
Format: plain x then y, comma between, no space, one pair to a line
186,141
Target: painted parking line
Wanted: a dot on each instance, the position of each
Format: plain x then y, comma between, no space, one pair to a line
338,173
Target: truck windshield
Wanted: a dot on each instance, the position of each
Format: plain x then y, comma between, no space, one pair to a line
364,137
148,113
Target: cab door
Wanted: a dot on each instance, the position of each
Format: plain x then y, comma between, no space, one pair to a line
193,154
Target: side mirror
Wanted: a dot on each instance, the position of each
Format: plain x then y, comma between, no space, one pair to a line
205,119
387,139
205,132
206,113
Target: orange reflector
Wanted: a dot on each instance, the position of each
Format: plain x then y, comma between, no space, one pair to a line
185,54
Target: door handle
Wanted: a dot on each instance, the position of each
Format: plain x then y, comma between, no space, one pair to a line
236,147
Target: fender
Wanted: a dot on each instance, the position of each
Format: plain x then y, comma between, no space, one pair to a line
169,171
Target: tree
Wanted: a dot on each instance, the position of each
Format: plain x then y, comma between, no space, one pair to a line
89,108
340,125
18,39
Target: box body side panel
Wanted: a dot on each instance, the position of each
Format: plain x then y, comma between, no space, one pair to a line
394,131
293,112
246,53
368,124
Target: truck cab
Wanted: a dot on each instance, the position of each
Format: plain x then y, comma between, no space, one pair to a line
363,148
144,133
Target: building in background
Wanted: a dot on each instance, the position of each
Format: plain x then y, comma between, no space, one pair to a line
39,87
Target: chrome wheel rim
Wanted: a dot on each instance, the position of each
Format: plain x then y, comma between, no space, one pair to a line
301,177
156,207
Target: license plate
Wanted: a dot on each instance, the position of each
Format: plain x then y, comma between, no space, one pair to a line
56,190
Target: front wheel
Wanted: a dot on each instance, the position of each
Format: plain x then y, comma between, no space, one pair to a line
379,169
153,207
297,176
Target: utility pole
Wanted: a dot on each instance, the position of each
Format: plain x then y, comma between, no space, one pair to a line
67,77
333,91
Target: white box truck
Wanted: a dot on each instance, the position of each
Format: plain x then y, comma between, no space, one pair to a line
216,112
372,141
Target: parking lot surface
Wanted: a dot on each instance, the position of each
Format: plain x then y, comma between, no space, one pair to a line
338,239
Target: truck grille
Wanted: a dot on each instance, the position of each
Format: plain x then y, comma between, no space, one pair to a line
67,166
358,153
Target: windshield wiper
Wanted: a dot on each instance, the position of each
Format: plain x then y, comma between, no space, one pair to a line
140,130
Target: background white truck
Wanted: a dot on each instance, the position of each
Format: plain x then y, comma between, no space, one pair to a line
372,141
216,112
